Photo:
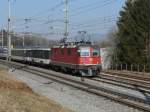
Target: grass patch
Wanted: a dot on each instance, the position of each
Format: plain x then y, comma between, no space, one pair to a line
147,74
16,96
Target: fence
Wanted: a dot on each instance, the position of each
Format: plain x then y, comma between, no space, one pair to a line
131,67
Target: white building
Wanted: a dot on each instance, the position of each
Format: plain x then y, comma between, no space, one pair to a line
106,54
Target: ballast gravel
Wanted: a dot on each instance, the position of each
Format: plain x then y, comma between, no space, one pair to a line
77,100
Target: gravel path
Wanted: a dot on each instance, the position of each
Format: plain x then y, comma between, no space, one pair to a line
77,100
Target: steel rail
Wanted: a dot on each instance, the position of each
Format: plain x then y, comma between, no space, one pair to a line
129,75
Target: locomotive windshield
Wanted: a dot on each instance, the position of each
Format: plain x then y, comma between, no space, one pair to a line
84,52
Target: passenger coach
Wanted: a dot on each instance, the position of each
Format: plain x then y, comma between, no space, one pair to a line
34,55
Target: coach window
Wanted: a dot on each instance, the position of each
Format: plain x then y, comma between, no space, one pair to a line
46,54
40,53
36,54
69,51
12,52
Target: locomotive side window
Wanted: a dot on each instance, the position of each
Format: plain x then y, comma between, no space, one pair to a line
62,51
69,51
55,51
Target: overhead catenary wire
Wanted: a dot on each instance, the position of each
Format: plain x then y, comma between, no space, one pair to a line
89,9
41,13
102,21
93,28
89,5
47,10
95,19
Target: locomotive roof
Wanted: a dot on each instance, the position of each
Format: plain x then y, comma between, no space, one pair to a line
74,45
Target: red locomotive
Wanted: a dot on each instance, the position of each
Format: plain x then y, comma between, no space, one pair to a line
79,57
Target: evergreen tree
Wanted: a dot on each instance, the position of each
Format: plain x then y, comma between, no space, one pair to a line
133,37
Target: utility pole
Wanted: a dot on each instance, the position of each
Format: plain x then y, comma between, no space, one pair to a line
66,33
26,21
2,38
8,35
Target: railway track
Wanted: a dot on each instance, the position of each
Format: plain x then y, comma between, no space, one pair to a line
86,86
121,84
136,83
129,75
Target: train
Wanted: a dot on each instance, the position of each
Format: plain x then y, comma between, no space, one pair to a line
74,57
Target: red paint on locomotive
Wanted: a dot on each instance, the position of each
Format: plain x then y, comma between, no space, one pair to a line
72,56
78,58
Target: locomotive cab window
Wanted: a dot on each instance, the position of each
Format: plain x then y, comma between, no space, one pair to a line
95,52
78,52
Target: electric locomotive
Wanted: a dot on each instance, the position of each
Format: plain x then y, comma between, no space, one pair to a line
77,57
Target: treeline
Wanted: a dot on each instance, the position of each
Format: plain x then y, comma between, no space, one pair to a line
132,39
30,40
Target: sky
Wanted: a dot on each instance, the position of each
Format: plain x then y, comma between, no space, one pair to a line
46,17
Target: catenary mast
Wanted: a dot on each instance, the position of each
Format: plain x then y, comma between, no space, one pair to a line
8,34
66,32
